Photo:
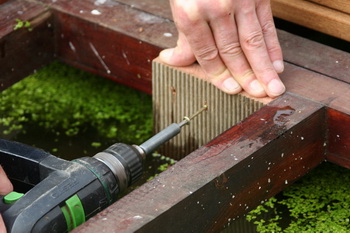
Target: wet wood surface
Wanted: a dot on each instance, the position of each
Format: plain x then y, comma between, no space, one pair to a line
118,39
230,175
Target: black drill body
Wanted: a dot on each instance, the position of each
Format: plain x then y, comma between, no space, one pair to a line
54,181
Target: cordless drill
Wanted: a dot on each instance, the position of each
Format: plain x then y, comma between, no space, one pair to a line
64,194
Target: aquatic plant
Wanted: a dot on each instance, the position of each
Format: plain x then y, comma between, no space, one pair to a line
22,24
319,202
64,99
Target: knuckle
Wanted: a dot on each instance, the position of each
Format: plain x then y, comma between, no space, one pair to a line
268,27
274,48
254,41
186,16
207,53
222,9
231,49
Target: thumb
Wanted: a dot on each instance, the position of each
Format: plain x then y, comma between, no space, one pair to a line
181,55
2,225
5,184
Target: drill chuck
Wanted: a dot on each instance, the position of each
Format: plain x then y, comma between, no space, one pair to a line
124,161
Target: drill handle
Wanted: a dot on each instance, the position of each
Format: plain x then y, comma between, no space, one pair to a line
23,163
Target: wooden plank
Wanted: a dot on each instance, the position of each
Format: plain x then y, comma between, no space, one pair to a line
340,5
316,87
119,44
314,16
245,165
23,51
315,56
338,138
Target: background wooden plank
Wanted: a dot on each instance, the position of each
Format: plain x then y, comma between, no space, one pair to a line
313,16
315,56
340,5
123,59
200,193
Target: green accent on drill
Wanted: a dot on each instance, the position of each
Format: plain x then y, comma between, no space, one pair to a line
105,187
12,197
73,212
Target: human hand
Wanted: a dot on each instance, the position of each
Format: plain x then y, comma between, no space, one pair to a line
234,41
5,188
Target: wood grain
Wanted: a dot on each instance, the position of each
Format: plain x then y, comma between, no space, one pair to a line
340,5
313,16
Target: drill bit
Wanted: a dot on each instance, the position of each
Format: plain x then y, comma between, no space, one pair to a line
186,120
166,134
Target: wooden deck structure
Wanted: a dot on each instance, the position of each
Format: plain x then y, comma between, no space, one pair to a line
232,174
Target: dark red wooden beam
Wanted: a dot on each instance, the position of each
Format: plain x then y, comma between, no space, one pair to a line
113,40
338,138
224,179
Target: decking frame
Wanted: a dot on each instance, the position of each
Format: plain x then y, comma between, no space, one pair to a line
209,187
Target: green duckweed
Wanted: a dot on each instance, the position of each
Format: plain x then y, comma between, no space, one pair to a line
319,202
60,98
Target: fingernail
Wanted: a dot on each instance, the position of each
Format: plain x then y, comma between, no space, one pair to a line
278,65
256,86
231,85
276,87
166,54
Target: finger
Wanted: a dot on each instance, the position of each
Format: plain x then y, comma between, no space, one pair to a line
226,37
5,184
191,20
253,45
2,225
204,48
181,55
270,34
